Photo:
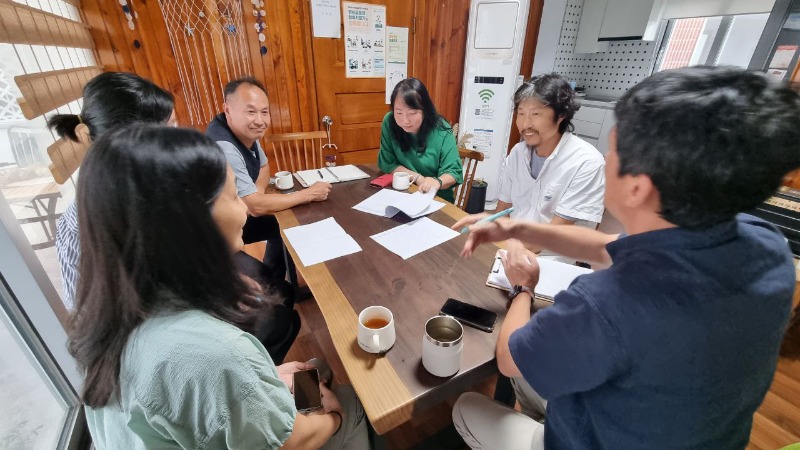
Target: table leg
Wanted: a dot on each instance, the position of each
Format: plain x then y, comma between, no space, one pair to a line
291,271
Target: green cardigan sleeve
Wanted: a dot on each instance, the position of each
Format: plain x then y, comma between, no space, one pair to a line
387,158
449,159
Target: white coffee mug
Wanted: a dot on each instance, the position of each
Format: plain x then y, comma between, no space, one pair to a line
442,345
401,180
284,180
376,329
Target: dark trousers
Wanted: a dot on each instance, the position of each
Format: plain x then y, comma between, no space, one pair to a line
278,323
265,228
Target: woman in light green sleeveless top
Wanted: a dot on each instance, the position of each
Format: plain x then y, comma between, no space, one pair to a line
158,325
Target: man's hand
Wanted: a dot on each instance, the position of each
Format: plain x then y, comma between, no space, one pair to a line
287,370
428,183
483,232
318,191
521,267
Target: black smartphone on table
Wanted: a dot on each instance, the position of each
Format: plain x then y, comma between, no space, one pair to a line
307,396
470,315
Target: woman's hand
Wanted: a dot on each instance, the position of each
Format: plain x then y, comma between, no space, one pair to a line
329,400
427,183
287,370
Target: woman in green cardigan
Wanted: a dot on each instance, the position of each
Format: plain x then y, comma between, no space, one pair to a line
417,140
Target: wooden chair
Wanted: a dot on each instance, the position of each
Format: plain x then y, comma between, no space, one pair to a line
470,160
298,151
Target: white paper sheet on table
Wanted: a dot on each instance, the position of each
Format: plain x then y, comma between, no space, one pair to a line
388,203
321,241
414,237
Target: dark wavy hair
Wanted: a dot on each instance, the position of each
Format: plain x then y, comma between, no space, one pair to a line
551,90
148,244
715,141
114,99
415,96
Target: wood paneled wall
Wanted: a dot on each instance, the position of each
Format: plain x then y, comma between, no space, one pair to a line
440,45
286,68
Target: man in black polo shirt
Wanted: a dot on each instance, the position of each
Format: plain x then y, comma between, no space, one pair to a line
237,130
674,346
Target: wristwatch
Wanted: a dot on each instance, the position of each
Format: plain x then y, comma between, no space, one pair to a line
516,290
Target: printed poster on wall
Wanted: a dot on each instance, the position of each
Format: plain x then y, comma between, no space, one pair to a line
396,58
325,19
365,40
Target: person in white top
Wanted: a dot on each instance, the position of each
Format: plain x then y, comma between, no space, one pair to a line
552,176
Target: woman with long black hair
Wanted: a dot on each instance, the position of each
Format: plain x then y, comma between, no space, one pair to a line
160,308
417,140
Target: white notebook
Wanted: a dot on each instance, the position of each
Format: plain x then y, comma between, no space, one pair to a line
334,174
554,276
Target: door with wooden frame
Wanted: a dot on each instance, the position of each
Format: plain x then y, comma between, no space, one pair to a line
356,105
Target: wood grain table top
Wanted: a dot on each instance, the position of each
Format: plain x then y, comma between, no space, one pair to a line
394,386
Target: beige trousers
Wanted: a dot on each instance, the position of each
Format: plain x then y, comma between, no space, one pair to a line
486,424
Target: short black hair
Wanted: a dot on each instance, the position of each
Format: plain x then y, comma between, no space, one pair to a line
551,90
231,87
715,141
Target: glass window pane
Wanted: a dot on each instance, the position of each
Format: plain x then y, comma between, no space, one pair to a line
33,414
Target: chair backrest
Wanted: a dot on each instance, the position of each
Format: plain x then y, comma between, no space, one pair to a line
298,151
66,157
470,160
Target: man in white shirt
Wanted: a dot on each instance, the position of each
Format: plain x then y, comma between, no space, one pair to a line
552,176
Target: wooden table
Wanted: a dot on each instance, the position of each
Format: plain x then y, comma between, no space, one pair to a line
42,199
395,386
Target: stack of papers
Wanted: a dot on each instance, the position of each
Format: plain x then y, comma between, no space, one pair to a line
321,241
388,203
414,237
554,276
334,174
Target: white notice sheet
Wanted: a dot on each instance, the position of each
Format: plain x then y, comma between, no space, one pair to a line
388,203
321,241
414,237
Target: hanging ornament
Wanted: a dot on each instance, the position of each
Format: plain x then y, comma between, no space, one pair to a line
260,24
189,30
231,29
127,10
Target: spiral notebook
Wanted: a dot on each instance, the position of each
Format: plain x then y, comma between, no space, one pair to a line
334,174
554,276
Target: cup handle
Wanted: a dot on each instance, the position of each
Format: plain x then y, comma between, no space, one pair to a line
376,342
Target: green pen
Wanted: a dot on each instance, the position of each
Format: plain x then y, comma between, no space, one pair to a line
491,218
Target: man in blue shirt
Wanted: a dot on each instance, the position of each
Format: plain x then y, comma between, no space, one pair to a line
675,344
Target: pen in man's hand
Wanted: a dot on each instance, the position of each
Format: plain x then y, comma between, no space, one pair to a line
491,218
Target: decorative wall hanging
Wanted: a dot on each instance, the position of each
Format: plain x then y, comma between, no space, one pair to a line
210,49
261,25
130,14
